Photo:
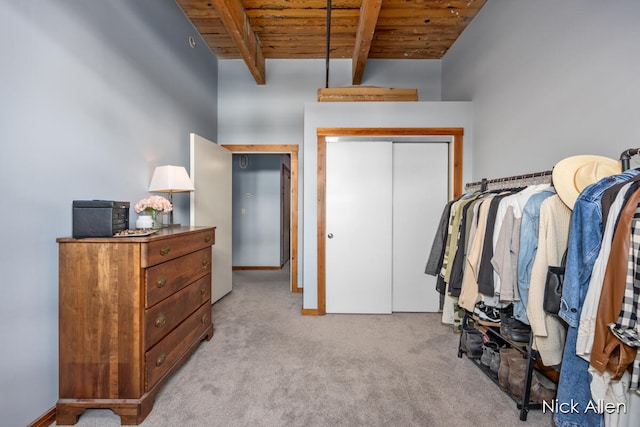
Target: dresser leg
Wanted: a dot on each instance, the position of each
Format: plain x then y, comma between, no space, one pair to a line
67,415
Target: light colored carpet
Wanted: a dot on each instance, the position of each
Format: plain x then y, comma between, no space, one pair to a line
267,365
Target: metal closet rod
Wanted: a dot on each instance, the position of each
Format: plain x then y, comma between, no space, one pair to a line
483,184
625,157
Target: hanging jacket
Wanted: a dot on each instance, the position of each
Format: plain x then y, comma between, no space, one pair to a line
608,352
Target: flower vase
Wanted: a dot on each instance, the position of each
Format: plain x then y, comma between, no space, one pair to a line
144,221
157,219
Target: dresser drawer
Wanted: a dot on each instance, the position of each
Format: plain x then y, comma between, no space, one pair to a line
161,250
167,352
165,279
163,317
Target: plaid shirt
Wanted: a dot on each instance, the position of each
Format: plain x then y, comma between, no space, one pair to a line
627,328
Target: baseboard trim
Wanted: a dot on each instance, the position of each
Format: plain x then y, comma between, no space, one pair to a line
311,312
258,267
45,419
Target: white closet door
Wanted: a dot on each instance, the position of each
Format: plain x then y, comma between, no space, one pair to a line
211,206
420,179
359,227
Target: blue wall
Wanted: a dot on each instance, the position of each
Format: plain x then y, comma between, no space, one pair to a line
95,94
256,211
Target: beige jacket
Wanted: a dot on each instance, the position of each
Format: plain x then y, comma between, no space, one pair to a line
553,236
469,291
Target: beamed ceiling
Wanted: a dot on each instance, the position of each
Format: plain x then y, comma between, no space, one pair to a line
255,30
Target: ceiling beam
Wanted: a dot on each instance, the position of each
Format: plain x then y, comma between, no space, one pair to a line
235,20
369,11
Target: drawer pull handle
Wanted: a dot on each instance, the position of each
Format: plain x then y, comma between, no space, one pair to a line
207,239
160,360
205,263
165,250
161,282
203,290
205,318
160,321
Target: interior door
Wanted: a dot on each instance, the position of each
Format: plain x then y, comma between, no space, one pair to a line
359,227
420,187
211,205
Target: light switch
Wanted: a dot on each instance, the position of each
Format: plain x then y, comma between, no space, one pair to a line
244,211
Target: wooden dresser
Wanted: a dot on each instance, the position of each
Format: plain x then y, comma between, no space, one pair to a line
131,312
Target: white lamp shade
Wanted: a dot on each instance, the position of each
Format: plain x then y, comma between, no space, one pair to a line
170,179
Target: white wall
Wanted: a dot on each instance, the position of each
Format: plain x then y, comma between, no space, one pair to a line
274,113
421,74
548,80
358,115
95,94
256,211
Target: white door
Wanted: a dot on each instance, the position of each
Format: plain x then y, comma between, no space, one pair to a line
211,206
359,227
420,183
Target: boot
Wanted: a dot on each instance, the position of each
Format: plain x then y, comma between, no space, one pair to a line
542,389
503,370
494,364
540,393
517,374
488,350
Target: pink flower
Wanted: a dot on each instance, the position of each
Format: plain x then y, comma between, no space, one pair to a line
154,203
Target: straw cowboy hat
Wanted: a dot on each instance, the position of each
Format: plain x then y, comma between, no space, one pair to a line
573,174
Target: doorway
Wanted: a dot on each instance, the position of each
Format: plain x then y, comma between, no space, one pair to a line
285,213
292,152
455,180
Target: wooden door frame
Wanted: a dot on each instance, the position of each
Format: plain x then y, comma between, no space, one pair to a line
285,173
292,150
455,180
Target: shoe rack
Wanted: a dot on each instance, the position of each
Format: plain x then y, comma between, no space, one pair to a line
492,330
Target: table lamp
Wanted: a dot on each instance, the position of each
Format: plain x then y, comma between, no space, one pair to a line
170,179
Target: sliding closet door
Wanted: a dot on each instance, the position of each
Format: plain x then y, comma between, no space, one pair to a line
420,179
359,227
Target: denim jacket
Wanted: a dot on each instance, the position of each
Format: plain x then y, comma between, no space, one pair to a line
528,248
585,238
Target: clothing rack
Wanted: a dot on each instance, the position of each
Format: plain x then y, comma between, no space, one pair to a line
536,177
511,181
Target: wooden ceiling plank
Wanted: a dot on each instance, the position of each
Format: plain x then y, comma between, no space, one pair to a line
435,4
260,22
301,4
369,12
197,9
387,13
284,29
282,14
366,94
235,19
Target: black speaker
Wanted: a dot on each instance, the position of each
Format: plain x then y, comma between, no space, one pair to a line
99,218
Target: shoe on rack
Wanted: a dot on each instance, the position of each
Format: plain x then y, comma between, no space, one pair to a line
471,342
506,318
540,393
511,328
506,353
519,332
489,348
517,374
487,314
494,364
